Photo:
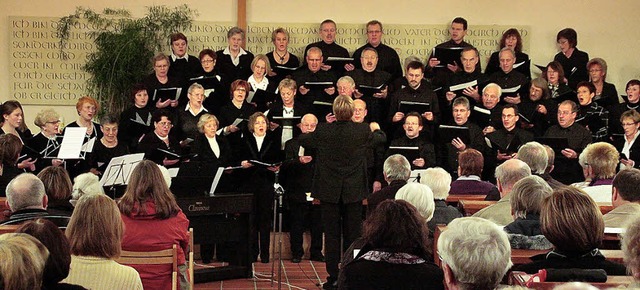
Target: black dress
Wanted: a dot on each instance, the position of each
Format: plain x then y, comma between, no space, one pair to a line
228,114
77,166
150,144
134,123
102,155
36,148
575,67
152,83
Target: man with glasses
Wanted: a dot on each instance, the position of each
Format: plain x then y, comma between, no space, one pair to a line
505,141
567,170
388,59
329,47
425,155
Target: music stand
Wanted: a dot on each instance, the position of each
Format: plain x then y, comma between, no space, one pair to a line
278,193
119,170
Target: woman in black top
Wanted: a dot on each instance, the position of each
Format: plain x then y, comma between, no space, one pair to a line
511,39
160,79
10,147
236,110
606,93
107,147
159,146
136,120
282,62
87,108
215,88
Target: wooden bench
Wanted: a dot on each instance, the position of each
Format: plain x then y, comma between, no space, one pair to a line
456,198
468,207
4,209
520,278
8,229
521,256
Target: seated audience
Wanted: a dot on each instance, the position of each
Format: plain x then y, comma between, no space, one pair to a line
439,181
625,198
465,264
23,261
57,186
599,162
507,174
470,164
526,200
627,146
396,253
85,183
396,171
420,196
631,247
536,156
550,166
10,148
153,221
572,222
95,235
27,200
57,265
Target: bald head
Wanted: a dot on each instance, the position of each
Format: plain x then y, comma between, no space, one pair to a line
360,111
26,191
510,172
308,123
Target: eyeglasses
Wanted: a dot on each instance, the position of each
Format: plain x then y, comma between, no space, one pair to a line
207,61
53,122
165,124
629,124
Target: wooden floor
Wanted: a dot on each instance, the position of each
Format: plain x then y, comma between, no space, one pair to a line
305,275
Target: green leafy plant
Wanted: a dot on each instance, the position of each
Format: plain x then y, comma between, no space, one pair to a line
124,47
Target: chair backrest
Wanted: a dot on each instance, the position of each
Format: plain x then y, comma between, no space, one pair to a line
470,207
8,229
4,209
190,261
168,256
454,199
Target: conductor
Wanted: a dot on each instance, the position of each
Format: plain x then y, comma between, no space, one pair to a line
340,178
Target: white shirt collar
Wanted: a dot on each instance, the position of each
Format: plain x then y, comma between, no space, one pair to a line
175,57
188,108
228,51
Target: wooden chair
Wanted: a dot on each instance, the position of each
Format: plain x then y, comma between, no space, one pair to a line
470,207
4,209
168,256
455,198
521,278
190,260
8,229
605,207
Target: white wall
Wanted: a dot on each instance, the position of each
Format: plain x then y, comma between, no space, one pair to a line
606,29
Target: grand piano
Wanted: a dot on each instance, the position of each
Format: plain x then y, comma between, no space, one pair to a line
217,219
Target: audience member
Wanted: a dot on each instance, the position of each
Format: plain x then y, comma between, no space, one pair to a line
23,261
420,196
58,187
536,156
470,165
152,222
95,235
57,265
85,183
475,254
526,200
396,253
631,247
625,198
599,161
27,200
396,171
439,181
507,174
572,222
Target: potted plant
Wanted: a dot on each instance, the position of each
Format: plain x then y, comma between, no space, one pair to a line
124,47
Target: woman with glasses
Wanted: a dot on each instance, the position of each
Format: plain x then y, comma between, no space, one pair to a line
215,88
47,142
158,146
160,79
234,115
573,61
628,147
606,93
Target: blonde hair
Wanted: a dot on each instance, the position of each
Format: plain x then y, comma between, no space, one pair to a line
206,118
602,157
22,263
343,108
95,228
44,116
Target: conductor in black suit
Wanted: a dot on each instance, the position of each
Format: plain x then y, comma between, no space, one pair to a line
340,177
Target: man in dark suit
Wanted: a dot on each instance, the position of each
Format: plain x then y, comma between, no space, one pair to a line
297,175
340,178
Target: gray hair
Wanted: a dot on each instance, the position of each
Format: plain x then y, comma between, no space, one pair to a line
396,167
513,53
461,102
235,30
510,172
347,79
195,86
44,116
535,155
439,180
108,119
527,195
494,86
24,191
86,183
420,196
477,251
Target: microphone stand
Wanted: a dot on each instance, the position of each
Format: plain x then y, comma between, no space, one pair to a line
277,209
